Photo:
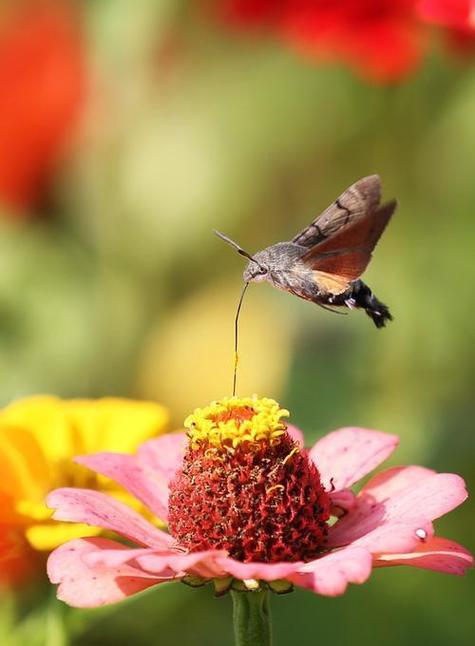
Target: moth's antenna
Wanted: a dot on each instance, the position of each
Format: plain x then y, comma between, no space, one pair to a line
236,338
239,249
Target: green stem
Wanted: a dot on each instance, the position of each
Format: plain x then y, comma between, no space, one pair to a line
251,616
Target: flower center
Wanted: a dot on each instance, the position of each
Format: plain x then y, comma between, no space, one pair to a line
238,414
245,486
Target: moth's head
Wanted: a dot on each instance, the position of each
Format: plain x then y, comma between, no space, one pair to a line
255,271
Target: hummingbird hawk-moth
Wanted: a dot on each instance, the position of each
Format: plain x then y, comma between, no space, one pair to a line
324,262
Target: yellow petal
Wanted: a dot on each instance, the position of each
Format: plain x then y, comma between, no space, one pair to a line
44,418
36,511
24,473
51,535
65,428
113,424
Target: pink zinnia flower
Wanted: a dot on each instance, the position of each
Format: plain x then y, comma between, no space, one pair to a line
248,507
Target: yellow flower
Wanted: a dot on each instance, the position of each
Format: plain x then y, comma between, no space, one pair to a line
39,436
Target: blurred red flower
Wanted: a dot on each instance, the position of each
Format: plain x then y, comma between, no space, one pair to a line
42,81
458,16
381,39
249,13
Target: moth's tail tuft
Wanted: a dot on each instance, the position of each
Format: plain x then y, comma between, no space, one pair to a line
380,314
373,307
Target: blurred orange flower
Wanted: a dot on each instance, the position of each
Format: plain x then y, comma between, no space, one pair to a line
38,438
42,88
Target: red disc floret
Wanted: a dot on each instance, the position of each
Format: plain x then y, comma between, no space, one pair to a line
260,501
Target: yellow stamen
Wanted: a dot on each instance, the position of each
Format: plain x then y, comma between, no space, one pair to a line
277,486
292,452
234,420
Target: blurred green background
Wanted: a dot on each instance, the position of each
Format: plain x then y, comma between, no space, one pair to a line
114,285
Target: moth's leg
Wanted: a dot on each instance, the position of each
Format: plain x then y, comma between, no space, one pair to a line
325,306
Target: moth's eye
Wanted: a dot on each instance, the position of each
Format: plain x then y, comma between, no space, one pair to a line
261,270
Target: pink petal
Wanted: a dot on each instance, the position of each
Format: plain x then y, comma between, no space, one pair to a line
164,454
265,571
345,456
208,564
342,502
296,434
430,497
438,554
99,510
205,564
394,536
390,524
111,558
147,485
84,587
391,482
331,574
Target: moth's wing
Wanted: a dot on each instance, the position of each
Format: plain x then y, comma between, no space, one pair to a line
353,204
330,283
346,255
